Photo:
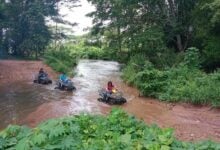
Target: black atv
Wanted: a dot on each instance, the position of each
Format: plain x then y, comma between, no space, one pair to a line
68,86
112,99
42,79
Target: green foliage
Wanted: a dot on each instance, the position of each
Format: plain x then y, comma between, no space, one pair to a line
191,85
211,54
84,49
23,28
207,33
136,64
66,56
191,58
116,131
130,24
184,82
61,60
151,27
86,52
150,82
26,31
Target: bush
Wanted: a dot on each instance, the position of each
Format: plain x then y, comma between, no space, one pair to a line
211,54
192,86
191,58
116,131
87,52
60,60
136,64
184,82
151,82
67,56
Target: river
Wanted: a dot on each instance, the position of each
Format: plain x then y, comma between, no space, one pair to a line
25,103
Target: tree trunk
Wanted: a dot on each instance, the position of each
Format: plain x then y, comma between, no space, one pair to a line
173,18
36,54
179,43
186,42
1,36
172,8
119,38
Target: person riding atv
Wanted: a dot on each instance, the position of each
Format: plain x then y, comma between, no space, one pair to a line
65,83
109,90
42,77
63,77
111,95
110,87
41,73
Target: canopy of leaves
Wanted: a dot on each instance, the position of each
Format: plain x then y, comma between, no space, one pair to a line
207,33
150,27
134,18
23,26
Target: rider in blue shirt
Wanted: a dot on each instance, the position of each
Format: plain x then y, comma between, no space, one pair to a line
63,78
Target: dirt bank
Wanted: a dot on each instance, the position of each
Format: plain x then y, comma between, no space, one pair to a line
191,123
15,71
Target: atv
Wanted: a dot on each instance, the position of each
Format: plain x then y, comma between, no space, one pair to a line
112,99
42,79
68,85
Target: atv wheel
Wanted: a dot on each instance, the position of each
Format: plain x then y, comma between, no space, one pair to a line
41,82
111,101
74,88
100,99
61,87
123,100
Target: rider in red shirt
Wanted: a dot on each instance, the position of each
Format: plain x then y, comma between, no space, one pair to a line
110,87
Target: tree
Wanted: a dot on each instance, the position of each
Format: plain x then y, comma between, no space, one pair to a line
130,19
109,17
207,35
2,23
26,32
178,25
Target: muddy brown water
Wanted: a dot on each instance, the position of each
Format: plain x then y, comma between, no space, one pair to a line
25,103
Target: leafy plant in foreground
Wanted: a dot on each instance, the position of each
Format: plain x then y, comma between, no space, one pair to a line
116,131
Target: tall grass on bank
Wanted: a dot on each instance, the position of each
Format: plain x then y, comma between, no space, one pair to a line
118,130
65,58
60,61
184,82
